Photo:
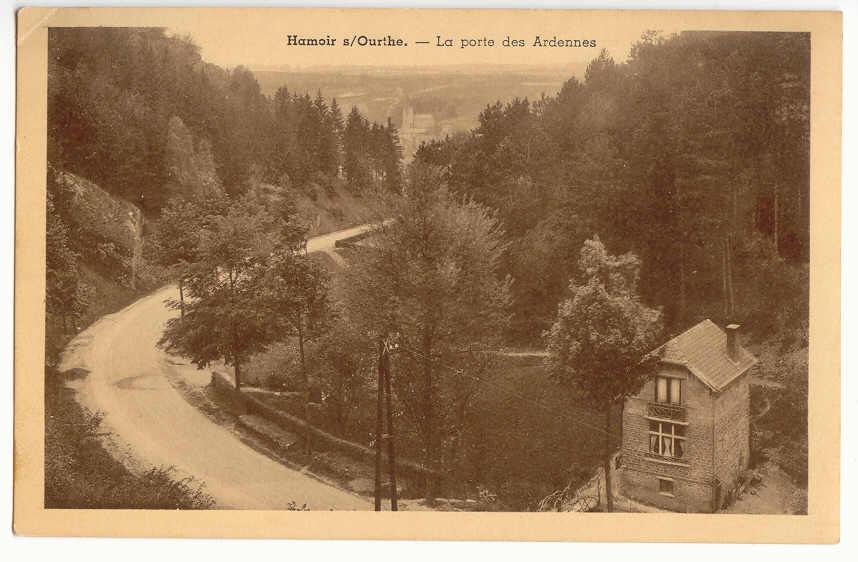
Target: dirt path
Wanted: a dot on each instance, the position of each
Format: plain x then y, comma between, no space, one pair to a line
151,424
775,494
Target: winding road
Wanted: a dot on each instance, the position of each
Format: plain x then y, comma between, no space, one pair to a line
151,424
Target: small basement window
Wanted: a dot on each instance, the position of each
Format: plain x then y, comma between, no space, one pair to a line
665,487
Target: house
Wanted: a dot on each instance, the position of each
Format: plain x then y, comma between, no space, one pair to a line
686,433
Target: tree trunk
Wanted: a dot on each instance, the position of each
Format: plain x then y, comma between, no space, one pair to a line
609,498
800,218
182,296
391,456
378,431
734,219
429,430
237,369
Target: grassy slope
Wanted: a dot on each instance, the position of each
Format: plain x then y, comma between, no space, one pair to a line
528,437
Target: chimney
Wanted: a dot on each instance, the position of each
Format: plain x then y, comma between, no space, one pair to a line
733,341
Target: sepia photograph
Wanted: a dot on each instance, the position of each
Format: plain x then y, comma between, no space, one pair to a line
571,279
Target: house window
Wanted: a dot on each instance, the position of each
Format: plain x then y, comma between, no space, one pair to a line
666,439
668,390
665,487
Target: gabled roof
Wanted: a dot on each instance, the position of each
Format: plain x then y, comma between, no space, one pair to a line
702,350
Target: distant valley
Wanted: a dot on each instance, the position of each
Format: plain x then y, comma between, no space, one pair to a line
423,104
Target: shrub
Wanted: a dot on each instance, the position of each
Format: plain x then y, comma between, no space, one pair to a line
780,434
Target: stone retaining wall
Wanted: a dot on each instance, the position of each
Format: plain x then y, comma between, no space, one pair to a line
247,403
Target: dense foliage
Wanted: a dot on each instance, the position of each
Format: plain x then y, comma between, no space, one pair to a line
247,278
603,331
693,154
430,281
65,295
141,114
599,345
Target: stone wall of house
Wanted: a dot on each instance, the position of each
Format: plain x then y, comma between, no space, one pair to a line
688,496
693,475
732,434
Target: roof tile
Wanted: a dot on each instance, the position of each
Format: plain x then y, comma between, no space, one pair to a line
702,349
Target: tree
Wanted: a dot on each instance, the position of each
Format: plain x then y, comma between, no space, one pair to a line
391,157
431,278
336,126
598,346
176,236
226,317
697,138
66,296
176,240
296,294
347,367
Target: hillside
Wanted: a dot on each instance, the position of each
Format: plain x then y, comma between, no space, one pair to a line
94,260
322,209
145,117
108,237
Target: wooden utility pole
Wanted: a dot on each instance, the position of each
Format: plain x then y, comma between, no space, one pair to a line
379,422
391,456
609,498
384,434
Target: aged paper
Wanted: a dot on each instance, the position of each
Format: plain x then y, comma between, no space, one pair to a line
278,161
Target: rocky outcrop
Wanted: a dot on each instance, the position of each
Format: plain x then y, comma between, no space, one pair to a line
106,225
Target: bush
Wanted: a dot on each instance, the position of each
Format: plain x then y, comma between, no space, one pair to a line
311,190
326,182
780,434
277,368
337,214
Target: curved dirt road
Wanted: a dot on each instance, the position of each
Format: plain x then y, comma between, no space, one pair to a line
152,425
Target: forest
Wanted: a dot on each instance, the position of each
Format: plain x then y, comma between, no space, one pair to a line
693,154
154,121
677,180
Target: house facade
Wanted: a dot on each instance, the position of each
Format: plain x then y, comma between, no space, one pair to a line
686,434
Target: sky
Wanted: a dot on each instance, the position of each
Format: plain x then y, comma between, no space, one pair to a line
259,39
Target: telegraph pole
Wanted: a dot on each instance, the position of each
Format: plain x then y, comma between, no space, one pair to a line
391,456
379,421
384,434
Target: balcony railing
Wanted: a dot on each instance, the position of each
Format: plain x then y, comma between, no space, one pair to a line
667,411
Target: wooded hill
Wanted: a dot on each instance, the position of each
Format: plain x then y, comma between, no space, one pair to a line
694,154
141,114
138,114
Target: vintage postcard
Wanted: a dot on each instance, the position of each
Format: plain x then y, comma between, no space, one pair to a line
510,274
